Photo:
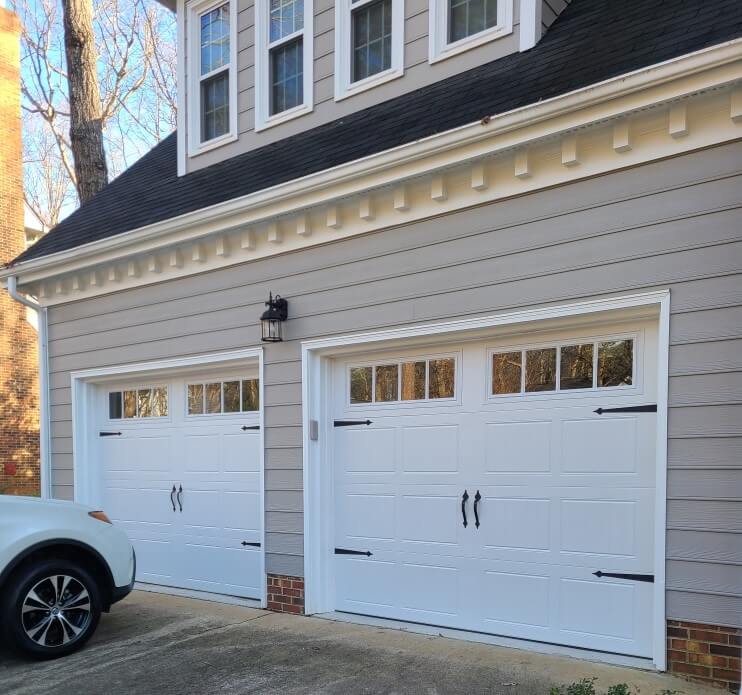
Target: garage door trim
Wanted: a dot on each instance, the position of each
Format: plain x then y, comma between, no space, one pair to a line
84,422
317,426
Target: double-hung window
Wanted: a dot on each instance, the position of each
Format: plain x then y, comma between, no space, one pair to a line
458,25
283,61
369,44
212,87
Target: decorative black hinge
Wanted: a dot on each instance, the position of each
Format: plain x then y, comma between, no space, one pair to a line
254,545
629,409
244,428
619,575
350,423
109,434
345,551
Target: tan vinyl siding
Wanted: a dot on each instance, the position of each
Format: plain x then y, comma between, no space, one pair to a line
417,74
671,224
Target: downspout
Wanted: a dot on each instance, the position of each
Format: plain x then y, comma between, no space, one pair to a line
44,419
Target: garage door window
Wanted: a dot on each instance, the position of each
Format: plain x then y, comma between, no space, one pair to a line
402,381
223,397
138,403
592,365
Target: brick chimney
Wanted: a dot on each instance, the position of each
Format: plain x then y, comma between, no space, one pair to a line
19,387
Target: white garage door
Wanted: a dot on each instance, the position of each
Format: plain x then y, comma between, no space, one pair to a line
490,494
180,465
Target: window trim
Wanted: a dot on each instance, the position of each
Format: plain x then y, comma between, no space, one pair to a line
263,44
193,67
559,392
438,15
344,87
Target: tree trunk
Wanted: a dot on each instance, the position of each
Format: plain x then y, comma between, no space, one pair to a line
86,125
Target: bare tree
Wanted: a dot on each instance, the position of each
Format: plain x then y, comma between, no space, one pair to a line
86,117
135,70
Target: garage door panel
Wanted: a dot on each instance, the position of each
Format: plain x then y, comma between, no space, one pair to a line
428,518
241,452
140,505
154,562
430,449
518,447
599,446
599,527
216,509
519,598
368,515
211,567
369,585
431,589
515,523
366,451
136,453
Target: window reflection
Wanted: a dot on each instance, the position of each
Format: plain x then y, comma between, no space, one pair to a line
541,370
616,363
576,367
506,372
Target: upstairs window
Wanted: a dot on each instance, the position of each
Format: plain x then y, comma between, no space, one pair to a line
458,25
369,44
212,84
283,61
470,17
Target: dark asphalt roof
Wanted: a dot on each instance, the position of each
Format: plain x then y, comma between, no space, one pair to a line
591,41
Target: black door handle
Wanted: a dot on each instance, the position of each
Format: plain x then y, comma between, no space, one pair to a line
180,492
477,497
464,497
172,501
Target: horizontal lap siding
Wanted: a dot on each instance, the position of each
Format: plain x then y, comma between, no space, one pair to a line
672,224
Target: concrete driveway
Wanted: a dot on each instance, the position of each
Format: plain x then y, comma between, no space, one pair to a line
151,644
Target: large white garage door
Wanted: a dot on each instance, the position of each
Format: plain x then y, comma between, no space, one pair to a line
490,494
180,462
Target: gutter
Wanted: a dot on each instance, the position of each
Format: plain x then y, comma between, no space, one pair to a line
44,415
595,99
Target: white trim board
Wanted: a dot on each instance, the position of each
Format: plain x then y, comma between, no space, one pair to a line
316,407
84,384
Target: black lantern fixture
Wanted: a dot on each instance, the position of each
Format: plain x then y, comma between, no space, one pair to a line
272,318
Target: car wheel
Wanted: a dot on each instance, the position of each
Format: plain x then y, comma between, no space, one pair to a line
51,608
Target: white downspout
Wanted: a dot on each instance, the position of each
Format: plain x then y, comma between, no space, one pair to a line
44,419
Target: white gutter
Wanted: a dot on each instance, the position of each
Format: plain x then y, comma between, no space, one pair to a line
44,416
595,99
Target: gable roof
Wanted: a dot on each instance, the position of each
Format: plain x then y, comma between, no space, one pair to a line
591,41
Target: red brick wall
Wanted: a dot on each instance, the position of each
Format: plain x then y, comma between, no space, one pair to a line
19,389
705,653
285,594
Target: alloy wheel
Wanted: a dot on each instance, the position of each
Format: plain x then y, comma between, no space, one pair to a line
56,611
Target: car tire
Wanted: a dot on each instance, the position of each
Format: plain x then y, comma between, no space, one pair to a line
50,608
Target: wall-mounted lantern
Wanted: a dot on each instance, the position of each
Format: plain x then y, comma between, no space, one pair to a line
272,318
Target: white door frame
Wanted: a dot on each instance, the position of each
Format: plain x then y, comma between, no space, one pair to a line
316,403
84,385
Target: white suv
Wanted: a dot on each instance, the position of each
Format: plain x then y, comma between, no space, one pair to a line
61,564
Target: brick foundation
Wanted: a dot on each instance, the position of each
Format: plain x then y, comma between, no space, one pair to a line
705,653
19,387
285,594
